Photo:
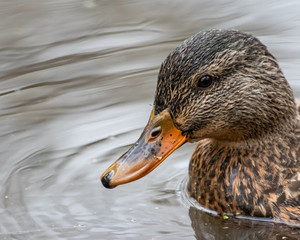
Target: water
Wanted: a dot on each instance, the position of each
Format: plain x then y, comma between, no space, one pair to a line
77,84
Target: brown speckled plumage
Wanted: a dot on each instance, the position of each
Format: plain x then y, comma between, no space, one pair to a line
248,158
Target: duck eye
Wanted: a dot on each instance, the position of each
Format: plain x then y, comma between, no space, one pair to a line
205,81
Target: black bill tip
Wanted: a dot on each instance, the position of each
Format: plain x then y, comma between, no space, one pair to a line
106,180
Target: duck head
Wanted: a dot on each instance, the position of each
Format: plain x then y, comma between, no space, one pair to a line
223,85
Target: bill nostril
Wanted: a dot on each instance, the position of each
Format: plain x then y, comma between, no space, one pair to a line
156,132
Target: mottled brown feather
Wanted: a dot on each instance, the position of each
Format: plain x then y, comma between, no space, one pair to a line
247,161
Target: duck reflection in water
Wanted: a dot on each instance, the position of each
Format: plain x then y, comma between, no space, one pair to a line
208,227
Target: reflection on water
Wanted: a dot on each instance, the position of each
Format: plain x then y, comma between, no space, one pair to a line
77,84
207,226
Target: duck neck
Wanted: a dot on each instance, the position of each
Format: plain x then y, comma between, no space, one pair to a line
236,176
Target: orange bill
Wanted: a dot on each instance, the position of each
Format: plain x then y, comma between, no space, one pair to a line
159,139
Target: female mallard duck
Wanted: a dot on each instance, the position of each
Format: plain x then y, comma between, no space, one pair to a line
224,90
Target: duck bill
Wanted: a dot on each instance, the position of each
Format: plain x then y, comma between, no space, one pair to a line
159,139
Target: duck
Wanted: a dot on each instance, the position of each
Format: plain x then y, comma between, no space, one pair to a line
224,90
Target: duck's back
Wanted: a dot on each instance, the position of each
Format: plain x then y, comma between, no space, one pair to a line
292,210
288,208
